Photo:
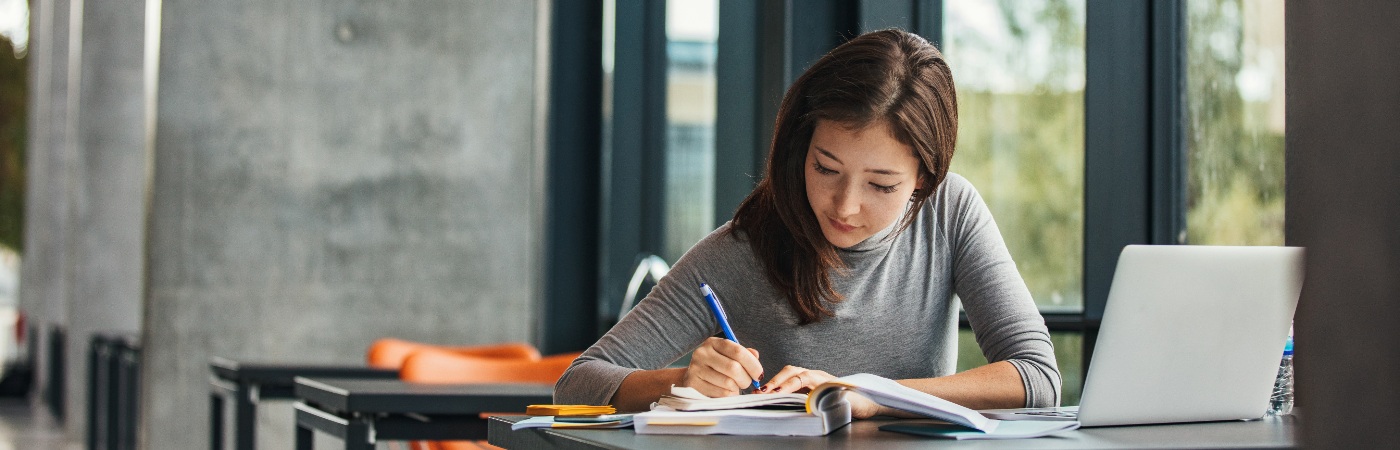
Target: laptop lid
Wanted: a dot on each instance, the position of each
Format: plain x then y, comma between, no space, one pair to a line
1191,333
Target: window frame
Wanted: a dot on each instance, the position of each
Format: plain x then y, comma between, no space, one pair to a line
1133,100
573,203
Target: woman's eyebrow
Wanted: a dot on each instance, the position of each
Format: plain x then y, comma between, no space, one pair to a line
828,154
838,160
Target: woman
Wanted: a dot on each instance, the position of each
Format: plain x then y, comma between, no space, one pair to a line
844,259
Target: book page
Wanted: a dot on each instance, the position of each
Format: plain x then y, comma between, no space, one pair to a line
890,393
689,399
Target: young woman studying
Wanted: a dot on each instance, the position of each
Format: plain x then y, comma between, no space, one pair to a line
845,259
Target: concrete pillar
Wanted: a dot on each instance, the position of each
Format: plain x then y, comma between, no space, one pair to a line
326,173
107,197
45,269
1342,197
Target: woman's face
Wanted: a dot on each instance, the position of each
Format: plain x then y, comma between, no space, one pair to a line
858,180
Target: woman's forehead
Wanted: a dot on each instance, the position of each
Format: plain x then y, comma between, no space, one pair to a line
873,145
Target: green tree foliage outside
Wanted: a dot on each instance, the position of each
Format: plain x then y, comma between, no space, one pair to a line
1023,147
13,79
1021,136
1021,143
1235,153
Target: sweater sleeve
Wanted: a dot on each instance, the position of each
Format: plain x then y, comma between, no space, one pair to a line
669,323
999,307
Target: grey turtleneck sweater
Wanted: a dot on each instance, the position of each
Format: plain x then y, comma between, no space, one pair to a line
899,318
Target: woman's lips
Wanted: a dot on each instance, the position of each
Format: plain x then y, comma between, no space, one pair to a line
840,226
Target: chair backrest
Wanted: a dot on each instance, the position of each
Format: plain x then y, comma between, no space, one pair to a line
500,363
390,353
648,267
439,366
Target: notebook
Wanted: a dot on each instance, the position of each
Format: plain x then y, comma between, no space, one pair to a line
824,410
1189,334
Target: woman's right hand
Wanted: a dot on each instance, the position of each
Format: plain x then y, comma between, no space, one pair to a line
721,368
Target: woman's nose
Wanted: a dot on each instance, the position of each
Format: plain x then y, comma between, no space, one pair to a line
847,201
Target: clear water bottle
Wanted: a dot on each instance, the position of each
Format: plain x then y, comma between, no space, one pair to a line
1281,402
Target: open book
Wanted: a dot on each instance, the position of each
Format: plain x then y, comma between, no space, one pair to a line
689,399
818,413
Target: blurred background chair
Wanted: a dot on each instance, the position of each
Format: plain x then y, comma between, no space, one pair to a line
432,365
649,268
440,366
390,353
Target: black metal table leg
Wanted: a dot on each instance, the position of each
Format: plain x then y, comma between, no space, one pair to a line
216,421
246,417
357,435
304,437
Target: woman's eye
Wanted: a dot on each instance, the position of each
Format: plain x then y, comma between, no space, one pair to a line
822,169
882,188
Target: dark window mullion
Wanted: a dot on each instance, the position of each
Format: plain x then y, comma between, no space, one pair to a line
921,17
1168,122
928,21
1055,322
1133,158
763,47
739,148
572,208
634,167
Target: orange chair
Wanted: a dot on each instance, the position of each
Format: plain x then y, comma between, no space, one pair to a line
439,366
390,353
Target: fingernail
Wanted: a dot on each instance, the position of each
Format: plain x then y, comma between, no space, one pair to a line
763,389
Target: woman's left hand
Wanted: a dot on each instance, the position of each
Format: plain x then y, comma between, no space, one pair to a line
800,379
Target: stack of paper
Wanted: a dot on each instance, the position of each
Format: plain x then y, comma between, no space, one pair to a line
711,416
664,420
569,410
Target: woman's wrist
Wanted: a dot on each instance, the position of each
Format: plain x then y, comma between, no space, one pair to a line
642,387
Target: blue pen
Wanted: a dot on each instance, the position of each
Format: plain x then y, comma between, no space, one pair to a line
721,317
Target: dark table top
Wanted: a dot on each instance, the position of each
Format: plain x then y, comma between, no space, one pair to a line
1267,433
275,373
395,396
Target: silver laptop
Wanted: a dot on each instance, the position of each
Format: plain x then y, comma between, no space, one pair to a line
1189,334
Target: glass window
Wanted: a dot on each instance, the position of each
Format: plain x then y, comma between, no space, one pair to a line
1068,346
1019,71
1235,122
691,30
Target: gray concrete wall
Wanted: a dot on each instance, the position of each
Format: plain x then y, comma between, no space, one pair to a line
107,200
326,173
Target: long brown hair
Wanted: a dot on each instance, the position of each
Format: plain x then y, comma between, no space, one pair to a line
888,76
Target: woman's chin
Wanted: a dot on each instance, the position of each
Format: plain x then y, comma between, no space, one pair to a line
843,240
